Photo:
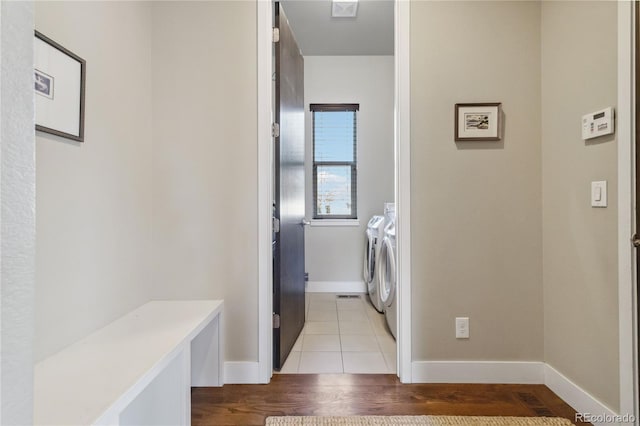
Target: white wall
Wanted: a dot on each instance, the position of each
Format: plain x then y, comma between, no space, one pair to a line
205,212
475,206
94,198
17,213
336,253
580,242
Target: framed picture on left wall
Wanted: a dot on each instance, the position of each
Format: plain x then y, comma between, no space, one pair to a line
59,85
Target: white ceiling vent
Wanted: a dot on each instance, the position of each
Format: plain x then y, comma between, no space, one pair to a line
344,8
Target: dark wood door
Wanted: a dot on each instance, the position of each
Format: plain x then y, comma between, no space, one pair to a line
288,268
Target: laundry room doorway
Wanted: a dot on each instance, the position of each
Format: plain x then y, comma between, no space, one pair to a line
353,150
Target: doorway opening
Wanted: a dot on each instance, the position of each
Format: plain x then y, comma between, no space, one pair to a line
402,185
345,105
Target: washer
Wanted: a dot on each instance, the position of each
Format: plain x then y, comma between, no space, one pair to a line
387,276
389,212
373,241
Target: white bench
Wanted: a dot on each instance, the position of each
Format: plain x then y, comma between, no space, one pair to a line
138,370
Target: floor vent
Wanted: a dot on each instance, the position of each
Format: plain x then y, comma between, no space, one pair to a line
348,296
544,412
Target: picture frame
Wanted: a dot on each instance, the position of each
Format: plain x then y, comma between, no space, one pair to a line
59,87
478,121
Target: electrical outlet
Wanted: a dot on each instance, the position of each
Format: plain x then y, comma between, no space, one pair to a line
462,327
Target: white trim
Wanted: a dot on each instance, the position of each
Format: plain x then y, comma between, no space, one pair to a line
334,222
336,287
627,298
241,373
515,372
402,146
265,171
477,372
579,399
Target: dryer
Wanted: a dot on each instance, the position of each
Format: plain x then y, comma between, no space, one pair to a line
387,276
373,241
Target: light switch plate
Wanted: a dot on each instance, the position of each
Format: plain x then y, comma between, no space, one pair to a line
462,327
599,193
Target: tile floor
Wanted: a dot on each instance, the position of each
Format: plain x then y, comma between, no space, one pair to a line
342,336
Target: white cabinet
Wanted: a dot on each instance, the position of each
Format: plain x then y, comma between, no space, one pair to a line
137,370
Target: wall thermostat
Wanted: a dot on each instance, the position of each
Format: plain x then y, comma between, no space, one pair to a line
597,123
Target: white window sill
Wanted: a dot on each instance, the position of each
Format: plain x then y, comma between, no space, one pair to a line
335,222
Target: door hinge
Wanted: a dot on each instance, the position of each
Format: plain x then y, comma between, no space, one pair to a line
275,130
276,35
276,320
275,224
635,240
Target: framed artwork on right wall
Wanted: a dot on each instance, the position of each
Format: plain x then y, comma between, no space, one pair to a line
478,121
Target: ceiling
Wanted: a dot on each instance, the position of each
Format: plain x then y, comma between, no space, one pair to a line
317,33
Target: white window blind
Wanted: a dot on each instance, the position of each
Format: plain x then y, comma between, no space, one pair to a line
335,161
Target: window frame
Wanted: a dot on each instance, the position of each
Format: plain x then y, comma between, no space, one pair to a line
352,164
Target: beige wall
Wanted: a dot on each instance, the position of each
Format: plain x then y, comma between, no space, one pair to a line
336,253
485,257
170,145
476,223
580,242
205,161
192,93
94,198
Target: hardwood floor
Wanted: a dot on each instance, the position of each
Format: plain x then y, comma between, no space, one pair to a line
345,394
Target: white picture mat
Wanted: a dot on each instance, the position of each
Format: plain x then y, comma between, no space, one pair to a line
61,113
491,132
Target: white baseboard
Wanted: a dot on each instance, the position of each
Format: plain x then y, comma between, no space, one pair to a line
336,287
574,395
513,372
241,373
477,372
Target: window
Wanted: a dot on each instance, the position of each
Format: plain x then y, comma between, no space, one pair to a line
334,161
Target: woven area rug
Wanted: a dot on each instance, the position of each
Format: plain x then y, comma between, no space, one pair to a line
415,420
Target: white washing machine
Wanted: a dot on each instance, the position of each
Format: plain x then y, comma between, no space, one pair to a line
389,213
387,276
373,242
